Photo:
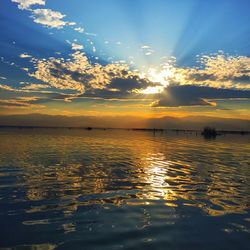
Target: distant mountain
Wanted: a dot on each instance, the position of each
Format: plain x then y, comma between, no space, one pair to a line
199,122
189,122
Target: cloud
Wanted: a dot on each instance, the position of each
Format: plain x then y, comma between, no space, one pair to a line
90,34
243,79
79,29
50,18
24,55
169,85
76,46
25,4
46,17
79,75
23,103
128,84
191,95
7,87
119,88
61,74
169,102
219,71
145,47
35,86
29,98
148,53
147,50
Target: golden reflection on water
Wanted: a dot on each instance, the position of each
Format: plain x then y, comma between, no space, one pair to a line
127,168
208,191
155,173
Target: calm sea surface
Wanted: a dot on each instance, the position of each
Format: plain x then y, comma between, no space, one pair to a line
77,189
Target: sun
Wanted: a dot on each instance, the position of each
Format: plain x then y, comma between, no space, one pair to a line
159,77
152,90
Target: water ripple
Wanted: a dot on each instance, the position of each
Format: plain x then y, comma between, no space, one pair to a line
122,189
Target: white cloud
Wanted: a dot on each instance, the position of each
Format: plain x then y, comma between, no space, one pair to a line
145,47
46,17
90,34
79,29
148,53
147,50
24,55
76,46
50,18
78,74
25,4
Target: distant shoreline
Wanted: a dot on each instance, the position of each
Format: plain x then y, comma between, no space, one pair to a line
241,132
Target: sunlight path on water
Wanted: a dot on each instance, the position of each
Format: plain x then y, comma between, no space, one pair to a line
116,189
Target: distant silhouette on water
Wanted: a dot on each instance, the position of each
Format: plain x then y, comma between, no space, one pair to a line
209,132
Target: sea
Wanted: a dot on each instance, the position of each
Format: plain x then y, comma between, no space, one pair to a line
123,189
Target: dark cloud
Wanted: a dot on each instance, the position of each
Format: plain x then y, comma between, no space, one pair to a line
190,95
184,101
125,85
245,79
202,77
119,88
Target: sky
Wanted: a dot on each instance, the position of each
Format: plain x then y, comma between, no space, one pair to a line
134,58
